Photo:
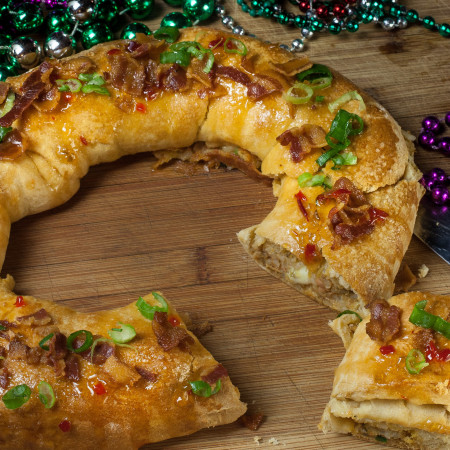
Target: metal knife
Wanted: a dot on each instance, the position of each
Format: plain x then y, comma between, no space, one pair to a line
433,227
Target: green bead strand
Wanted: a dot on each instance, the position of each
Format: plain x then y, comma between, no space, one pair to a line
352,26
198,9
28,18
444,30
176,19
7,70
334,28
412,16
96,33
428,22
132,29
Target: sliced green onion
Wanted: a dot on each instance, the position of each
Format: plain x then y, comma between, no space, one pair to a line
88,339
210,61
92,78
168,34
322,159
321,83
9,103
4,131
181,57
348,311
240,50
290,96
122,335
89,88
62,86
424,319
203,389
319,98
306,179
351,95
315,72
47,338
73,84
46,394
17,396
415,361
344,159
2,328
149,311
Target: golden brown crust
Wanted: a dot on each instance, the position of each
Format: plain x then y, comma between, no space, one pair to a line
376,390
133,411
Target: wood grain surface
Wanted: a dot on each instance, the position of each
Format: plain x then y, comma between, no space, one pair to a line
130,230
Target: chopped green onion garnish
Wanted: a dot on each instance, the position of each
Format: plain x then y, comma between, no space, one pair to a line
2,328
424,319
92,78
415,361
351,95
47,338
315,72
73,84
122,335
321,83
9,103
4,131
240,50
380,438
290,95
149,311
62,86
169,34
17,396
306,179
344,159
88,339
203,389
348,311
322,159
319,98
46,394
89,88
181,57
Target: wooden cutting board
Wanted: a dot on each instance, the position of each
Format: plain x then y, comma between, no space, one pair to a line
130,230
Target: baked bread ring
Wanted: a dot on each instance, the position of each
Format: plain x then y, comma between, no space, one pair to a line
232,101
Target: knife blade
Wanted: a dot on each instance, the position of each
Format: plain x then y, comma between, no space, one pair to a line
433,227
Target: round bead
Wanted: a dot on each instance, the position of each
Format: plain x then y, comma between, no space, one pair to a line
352,26
299,21
444,29
339,10
440,195
96,33
7,70
444,145
228,21
130,30
427,139
24,52
304,5
238,30
57,20
317,25
81,10
59,45
322,11
429,23
28,17
388,23
447,119
307,33
397,10
437,175
220,10
198,9
366,17
428,183
283,19
366,4
402,23
107,11
412,16
431,123
139,9
176,3
334,28
176,19
297,45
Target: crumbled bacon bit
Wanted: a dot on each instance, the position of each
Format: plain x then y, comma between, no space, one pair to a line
132,46
113,51
83,140
252,421
146,374
7,324
102,350
18,350
310,253
216,374
4,377
39,318
384,324
169,337
300,197
422,337
19,302
99,388
64,426
127,74
173,79
72,368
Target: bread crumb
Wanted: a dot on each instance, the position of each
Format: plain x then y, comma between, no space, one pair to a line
442,387
273,441
423,271
257,439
